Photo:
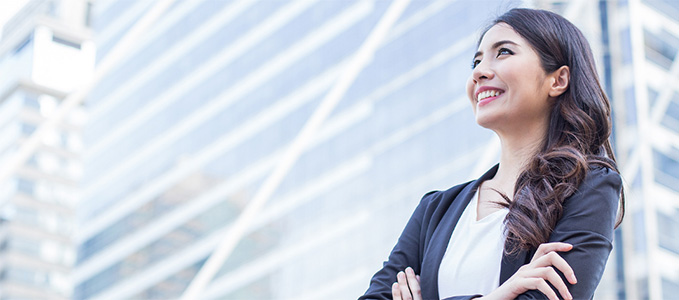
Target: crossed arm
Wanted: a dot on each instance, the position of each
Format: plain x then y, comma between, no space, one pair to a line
532,276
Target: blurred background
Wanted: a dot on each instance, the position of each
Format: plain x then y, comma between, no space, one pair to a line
291,139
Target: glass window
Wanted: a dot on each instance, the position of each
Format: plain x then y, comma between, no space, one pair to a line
671,117
670,289
26,186
27,129
668,231
31,100
88,14
626,45
661,48
666,170
630,105
65,42
642,284
639,230
652,96
668,7
190,232
22,275
175,196
97,283
259,289
175,284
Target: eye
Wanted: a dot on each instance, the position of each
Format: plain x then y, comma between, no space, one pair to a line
502,51
475,63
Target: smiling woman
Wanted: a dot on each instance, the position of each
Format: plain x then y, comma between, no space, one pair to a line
539,224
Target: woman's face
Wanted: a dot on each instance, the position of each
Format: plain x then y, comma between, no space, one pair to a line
508,87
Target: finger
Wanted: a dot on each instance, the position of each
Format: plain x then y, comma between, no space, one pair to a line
550,247
413,284
418,278
542,286
554,259
403,286
395,291
549,274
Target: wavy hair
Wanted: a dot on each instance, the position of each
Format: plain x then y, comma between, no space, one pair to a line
577,135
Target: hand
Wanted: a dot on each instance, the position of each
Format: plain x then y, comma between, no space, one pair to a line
407,287
536,274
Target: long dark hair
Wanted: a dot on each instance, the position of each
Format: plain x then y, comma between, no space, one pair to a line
577,136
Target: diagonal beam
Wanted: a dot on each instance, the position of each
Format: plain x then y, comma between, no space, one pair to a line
361,58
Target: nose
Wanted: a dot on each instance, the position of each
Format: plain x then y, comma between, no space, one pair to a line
481,72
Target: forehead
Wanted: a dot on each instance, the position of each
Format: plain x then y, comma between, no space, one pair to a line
499,32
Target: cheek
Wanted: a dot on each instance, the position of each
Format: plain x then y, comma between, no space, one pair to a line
470,89
470,93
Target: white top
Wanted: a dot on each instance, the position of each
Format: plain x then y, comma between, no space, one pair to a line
471,264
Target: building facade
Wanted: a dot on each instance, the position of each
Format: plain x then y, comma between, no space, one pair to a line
44,55
184,131
644,37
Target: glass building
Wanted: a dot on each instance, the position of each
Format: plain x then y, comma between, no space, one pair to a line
45,53
186,128
199,112
644,46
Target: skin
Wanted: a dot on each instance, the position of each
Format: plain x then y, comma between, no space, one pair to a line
520,117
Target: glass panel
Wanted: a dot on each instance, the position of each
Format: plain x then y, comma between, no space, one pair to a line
669,8
671,117
670,289
666,170
668,231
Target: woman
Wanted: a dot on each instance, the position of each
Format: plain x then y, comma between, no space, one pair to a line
540,223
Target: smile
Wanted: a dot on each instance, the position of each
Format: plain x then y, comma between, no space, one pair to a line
487,94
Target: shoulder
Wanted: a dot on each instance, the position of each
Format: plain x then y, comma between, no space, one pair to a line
600,186
599,175
594,205
445,197
437,198
435,204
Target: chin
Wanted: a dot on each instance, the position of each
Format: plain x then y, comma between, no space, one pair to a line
486,121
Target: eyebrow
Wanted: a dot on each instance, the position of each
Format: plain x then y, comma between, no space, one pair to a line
497,44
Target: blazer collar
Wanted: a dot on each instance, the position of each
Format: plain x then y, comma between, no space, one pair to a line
434,254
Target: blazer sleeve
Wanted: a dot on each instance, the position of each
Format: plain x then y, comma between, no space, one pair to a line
409,249
587,223
405,254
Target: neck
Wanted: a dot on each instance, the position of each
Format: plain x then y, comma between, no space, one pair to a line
516,152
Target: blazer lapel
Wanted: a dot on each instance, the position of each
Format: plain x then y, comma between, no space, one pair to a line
441,236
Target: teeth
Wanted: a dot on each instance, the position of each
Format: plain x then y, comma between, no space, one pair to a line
486,94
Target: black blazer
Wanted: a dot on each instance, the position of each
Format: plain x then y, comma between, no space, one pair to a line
587,223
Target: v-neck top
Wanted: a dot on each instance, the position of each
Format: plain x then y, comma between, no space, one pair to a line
471,263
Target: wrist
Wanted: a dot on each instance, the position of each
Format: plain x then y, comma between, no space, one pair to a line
500,293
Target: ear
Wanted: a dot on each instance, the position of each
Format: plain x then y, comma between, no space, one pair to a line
560,80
